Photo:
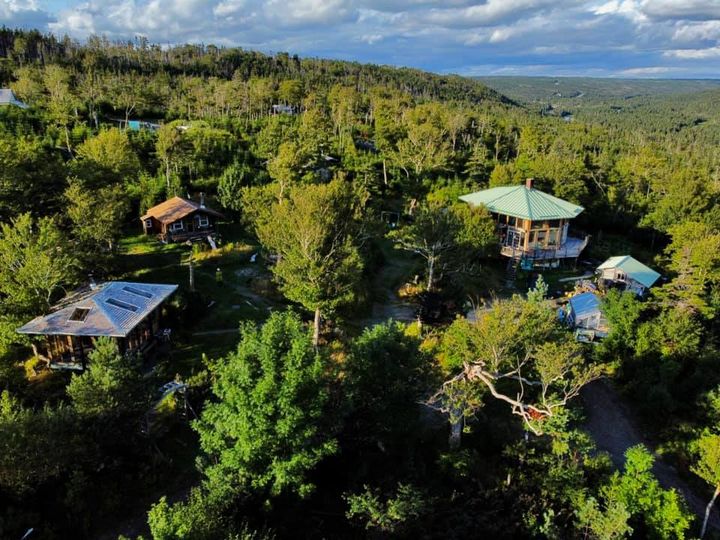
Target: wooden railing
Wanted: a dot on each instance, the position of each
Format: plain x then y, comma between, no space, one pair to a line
566,251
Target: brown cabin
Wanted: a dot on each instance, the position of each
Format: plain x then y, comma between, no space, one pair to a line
178,219
127,312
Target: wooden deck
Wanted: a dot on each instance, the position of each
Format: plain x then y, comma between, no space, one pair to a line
571,249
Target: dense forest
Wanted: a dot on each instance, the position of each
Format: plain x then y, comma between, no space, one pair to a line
357,399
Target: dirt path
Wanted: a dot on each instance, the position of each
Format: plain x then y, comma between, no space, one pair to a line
387,304
614,429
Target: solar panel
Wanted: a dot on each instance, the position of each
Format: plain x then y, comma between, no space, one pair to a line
122,305
79,314
138,292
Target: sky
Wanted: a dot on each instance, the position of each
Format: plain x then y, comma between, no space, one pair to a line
602,38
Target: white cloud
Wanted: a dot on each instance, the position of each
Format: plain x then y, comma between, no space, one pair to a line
697,31
695,54
682,9
647,71
24,14
603,37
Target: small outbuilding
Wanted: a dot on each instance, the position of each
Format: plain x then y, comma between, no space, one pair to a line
585,315
628,273
127,312
178,219
7,97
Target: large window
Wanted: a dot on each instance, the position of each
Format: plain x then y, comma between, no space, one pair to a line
203,221
177,226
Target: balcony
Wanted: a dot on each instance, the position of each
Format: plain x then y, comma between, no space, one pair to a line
570,249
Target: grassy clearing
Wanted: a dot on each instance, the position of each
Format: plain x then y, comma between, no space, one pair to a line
221,299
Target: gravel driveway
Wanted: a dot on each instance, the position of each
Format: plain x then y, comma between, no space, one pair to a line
614,429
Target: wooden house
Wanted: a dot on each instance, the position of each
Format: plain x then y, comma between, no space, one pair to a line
533,226
126,312
627,273
178,219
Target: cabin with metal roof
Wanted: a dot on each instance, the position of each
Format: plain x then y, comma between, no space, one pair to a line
125,311
627,273
7,97
178,219
533,226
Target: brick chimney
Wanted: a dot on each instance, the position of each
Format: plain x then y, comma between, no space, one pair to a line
528,183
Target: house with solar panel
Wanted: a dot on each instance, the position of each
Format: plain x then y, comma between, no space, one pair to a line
129,313
178,220
533,226
626,273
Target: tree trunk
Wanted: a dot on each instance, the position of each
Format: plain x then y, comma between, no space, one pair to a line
708,508
456,428
316,328
431,273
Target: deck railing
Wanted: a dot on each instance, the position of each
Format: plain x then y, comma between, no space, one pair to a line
571,249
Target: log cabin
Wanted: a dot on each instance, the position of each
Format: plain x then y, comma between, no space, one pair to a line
129,313
178,220
533,226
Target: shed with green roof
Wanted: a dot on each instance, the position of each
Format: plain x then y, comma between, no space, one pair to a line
533,225
629,273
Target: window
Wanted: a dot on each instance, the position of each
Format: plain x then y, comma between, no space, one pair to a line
177,226
148,223
79,314
203,221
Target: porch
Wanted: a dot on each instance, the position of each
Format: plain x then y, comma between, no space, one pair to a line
571,248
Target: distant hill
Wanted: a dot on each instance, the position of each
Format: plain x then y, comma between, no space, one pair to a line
141,57
574,91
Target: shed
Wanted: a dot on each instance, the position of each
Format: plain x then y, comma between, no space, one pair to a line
584,312
628,272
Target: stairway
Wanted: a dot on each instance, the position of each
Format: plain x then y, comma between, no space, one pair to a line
511,271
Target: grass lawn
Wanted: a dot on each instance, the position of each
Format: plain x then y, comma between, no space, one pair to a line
218,305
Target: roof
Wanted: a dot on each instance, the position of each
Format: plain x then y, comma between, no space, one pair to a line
633,268
584,304
112,309
176,208
7,97
523,202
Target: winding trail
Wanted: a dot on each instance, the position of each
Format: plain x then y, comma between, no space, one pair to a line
614,429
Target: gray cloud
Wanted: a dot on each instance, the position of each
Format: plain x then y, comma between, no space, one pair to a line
602,37
23,14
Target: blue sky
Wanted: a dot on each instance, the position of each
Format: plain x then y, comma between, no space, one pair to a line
602,38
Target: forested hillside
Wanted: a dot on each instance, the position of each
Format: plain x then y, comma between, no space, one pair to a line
357,399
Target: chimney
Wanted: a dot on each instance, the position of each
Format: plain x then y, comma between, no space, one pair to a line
93,284
528,183
202,200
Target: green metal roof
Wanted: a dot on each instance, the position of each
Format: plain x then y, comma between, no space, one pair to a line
632,268
523,202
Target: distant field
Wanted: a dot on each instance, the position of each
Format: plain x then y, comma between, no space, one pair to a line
574,91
